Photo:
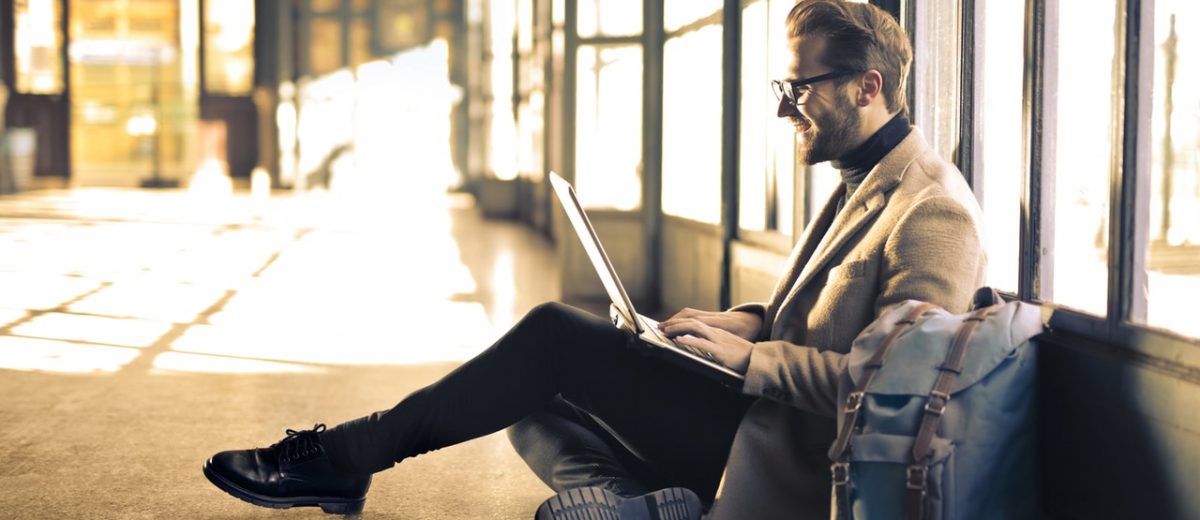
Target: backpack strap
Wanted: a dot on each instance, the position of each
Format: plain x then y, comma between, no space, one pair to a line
939,397
841,446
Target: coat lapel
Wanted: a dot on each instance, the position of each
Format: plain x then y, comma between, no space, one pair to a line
862,208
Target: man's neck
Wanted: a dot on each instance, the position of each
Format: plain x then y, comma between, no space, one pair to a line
856,164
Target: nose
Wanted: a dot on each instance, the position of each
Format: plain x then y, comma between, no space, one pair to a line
786,108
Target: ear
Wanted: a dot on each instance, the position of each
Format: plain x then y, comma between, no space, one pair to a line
872,87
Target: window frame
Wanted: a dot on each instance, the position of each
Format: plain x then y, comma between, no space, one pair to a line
770,237
1128,184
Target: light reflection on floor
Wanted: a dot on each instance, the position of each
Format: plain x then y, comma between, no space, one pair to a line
382,268
285,285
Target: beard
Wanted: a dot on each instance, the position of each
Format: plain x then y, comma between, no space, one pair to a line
829,136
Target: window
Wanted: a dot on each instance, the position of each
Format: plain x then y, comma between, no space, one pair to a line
325,45
999,76
756,108
937,93
532,92
692,112
1085,153
228,47
608,131
617,18
38,46
1173,255
678,13
767,144
503,131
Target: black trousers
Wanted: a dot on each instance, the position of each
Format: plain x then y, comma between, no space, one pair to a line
585,406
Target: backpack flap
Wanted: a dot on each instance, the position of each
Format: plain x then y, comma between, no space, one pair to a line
912,364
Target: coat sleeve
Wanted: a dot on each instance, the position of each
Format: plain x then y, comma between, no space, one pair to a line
760,310
934,254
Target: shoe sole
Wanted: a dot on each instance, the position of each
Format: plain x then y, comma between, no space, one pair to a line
331,505
600,504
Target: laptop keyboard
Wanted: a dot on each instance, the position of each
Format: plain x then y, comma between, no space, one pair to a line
696,351
652,326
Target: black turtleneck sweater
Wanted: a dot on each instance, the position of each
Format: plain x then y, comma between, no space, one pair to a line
855,166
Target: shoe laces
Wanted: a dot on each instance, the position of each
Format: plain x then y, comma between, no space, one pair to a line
299,444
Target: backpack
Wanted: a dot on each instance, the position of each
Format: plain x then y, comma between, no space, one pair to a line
938,421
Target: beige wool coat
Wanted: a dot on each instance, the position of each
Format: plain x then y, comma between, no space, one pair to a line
910,231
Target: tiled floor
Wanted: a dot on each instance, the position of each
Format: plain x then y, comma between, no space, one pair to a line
142,331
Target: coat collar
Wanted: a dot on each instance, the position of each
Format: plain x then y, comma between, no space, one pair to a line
860,210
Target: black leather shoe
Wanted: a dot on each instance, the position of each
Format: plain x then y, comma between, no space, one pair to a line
292,472
594,503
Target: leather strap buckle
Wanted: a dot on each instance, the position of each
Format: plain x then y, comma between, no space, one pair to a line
937,402
841,473
916,476
854,401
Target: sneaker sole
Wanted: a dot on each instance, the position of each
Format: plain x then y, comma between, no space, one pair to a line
331,505
595,503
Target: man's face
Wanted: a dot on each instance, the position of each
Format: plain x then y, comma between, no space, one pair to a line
827,123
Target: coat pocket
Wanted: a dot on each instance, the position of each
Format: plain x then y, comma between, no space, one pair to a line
847,270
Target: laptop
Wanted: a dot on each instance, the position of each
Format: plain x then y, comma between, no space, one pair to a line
622,312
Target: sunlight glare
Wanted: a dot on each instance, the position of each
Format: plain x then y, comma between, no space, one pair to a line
93,329
211,180
29,354
178,362
504,290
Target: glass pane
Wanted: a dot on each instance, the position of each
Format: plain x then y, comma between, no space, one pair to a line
781,140
608,126
1173,258
38,46
360,42
324,6
692,125
823,179
1086,49
524,26
785,189
936,77
679,13
999,136
756,106
503,135
325,47
229,46
133,106
401,24
615,18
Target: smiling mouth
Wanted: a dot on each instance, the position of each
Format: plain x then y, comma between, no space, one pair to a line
802,124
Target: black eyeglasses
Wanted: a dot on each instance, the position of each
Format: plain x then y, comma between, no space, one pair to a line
796,91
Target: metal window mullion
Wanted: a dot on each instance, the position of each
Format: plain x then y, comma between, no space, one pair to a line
569,78
1040,121
653,39
344,19
611,40
970,151
731,74
1129,187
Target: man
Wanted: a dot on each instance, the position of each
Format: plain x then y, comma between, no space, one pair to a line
903,225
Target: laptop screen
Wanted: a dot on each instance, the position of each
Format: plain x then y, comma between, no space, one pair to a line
595,251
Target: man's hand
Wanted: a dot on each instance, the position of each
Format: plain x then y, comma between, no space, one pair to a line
744,325
710,331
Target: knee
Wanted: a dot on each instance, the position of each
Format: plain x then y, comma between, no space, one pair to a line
546,313
548,309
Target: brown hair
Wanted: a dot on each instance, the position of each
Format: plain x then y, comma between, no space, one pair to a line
859,37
